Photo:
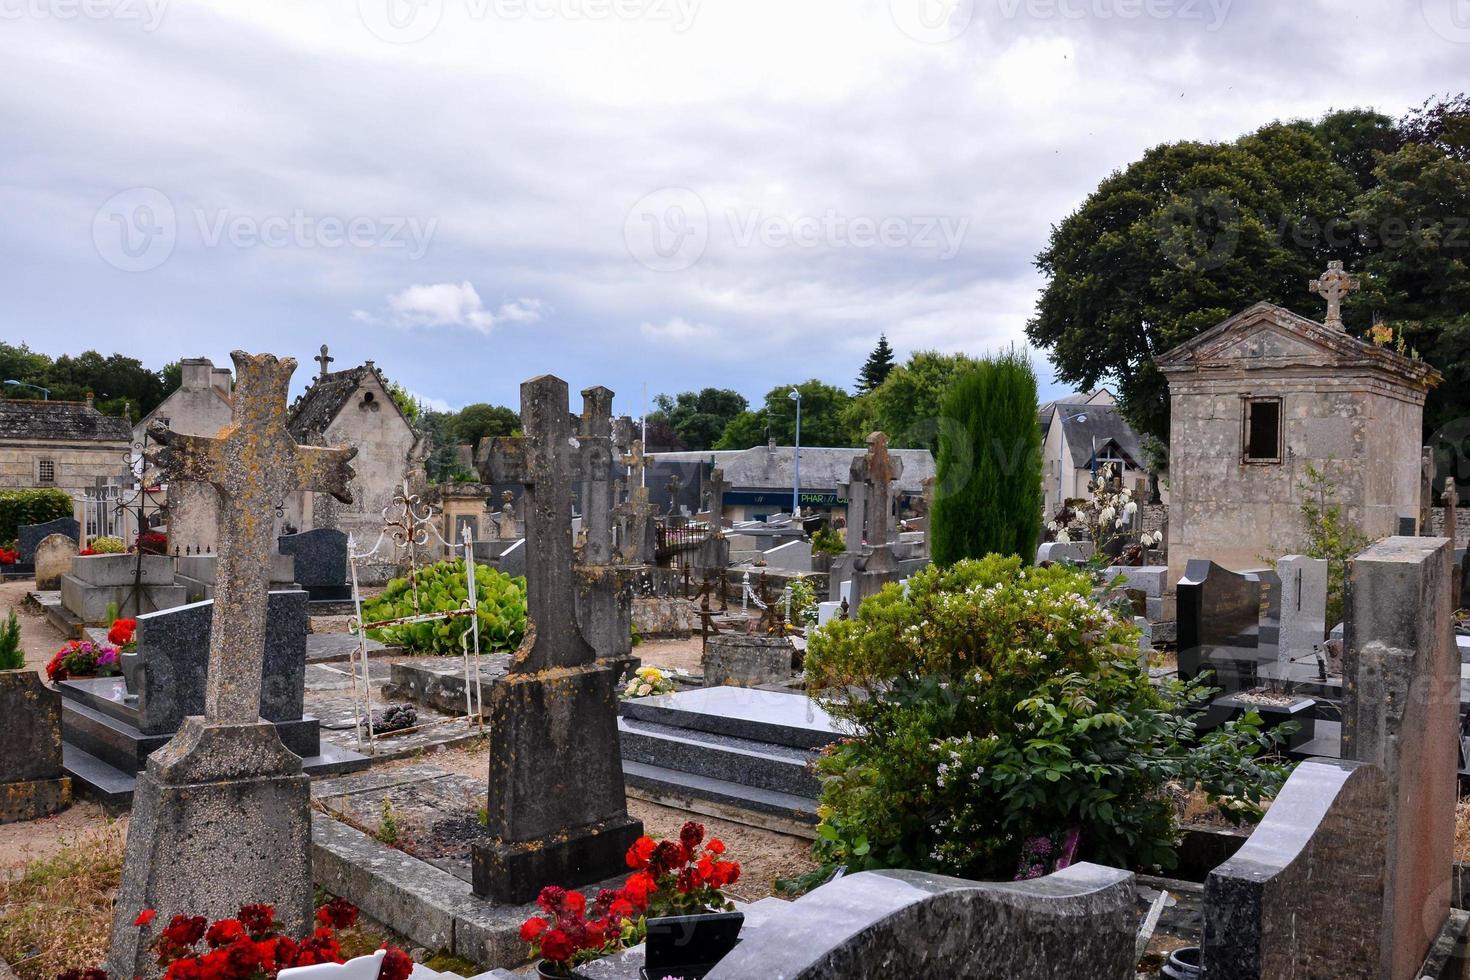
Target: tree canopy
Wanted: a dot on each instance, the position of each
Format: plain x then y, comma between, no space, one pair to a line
906,406
118,383
875,369
698,418
822,414
1195,232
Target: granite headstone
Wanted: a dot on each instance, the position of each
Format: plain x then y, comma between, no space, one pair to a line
31,535
321,562
1219,622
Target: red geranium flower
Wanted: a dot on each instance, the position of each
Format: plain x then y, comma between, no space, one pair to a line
121,633
258,919
184,931
690,835
224,932
715,846
338,913
556,946
533,927
144,917
640,853
396,965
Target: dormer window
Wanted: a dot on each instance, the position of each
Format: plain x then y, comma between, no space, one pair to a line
1261,430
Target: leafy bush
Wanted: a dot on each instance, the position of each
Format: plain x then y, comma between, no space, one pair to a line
21,507
827,541
803,602
1328,534
1004,714
501,601
106,546
12,657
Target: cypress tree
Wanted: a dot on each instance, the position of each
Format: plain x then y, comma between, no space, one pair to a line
988,484
876,369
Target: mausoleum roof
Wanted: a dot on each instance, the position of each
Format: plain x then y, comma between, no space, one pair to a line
1088,424
60,421
325,398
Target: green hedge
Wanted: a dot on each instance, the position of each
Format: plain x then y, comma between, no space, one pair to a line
21,507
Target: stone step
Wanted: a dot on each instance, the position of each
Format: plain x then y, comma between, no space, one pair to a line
92,777
721,798
735,760
772,717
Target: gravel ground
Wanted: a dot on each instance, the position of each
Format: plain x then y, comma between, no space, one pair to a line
38,638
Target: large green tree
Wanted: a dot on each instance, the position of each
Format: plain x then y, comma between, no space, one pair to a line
480,421
698,418
906,405
1195,232
987,496
822,408
876,368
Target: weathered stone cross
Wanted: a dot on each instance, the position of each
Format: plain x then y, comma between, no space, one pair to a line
1334,286
879,471
596,444
253,464
856,493
543,461
717,487
323,359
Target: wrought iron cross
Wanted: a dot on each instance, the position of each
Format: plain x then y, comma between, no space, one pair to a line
1334,286
543,461
252,464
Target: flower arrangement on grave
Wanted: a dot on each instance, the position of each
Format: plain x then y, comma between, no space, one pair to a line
104,546
83,658
685,876
153,543
999,704
442,588
570,933
250,946
123,634
647,681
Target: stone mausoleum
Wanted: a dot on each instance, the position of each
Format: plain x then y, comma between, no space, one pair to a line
1257,399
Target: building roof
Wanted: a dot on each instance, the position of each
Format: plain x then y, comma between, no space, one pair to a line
60,421
1090,424
325,398
822,468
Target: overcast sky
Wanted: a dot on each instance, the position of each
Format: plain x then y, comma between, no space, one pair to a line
675,193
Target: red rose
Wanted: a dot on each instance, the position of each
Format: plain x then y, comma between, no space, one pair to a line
533,927
184,931
556,947
396,965
144,917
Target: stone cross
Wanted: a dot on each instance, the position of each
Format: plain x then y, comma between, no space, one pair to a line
323,359
252,464
717,487
879,471
856,493
675,486
507,528
596,444
1334,286
631,451
544,462
635,513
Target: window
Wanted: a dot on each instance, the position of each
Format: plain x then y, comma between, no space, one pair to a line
1262,435
45,471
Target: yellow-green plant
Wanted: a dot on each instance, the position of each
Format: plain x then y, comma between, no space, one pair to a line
1328,534
442,588
107,546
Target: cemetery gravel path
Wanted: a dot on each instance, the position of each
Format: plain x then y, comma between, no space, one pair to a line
38,638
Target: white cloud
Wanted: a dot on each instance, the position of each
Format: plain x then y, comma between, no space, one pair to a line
432,404
678,330
446,304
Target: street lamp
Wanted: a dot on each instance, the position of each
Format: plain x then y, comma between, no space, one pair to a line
45,392
795,395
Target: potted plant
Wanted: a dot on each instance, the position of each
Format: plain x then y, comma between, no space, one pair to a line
570,933
83,658
691,925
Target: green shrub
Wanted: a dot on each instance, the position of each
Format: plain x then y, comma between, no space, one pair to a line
12,657
441,588
988,470
803,602
1003,711
1329,534
106,546
827,541
21,507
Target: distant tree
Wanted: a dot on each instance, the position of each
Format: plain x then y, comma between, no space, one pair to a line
481,421
699,418
1443,123
906,405
988,481
822,407
173,377
407,404
879,363
661,437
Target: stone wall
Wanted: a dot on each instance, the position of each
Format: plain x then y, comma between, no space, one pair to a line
78,466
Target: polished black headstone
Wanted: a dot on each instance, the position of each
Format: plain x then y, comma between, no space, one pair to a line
1219,625
31,535
321,562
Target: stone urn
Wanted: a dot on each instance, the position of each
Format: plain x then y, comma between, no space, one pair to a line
32,784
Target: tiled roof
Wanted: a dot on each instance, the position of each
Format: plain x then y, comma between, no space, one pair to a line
323,400
56,420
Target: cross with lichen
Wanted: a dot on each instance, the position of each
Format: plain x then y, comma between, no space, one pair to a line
252,464
880,469
595,443
1334,286
543,461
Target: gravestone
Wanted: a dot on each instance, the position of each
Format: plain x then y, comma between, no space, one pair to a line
856,494
880,566
222,814
1304,896
31,535
1303,606
53,559
1400,711
604,605
1072,552
1151,580
557,809
507,529
198,574
32,784
714,551
793,556
1079,922
127,585
321,562
1219,622
747,660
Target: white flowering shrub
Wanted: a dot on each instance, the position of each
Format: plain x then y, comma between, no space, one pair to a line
1003,714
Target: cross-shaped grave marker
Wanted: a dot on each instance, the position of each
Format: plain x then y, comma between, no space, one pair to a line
1334,286
717,485
322,360
595,442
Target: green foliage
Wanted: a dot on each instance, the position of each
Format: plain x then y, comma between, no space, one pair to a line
107,546
988,476
480,421
406,403
112,380
876,368
698,419
803,602
822,407
387,823
906,406
441,588
21,507
12,657
1329,534
1000,704
828,541
1195,232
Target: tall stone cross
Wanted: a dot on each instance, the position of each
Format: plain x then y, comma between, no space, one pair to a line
323,359
595,442
881,470
856,492
635,513
252,464
544,461
1334,286
717,486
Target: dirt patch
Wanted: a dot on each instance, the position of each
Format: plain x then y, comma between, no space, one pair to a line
38,638
686,655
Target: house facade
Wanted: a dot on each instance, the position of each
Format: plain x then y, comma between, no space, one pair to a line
67,446
200,406
1084,437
